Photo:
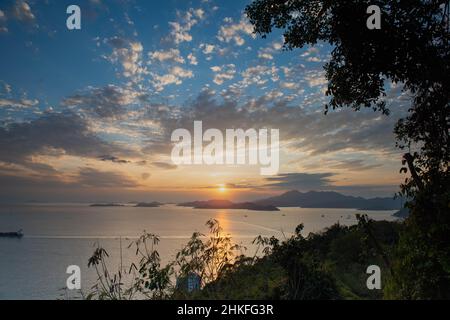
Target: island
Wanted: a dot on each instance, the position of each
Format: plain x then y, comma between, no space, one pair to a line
329,199
153,204
225,204
106,205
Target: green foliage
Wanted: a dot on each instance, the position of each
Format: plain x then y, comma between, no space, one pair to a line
148,279
326,265
247,280
422,259
208,258
412,48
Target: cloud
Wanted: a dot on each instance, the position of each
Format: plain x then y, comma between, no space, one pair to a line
300,181
207,48
128,54
303,129
54,183
110,101
22,12
354,165
288,85
164,165
316,78
192,59
89,177
22,103
161,81
259,75
268,52
180,30
236,186
53,134
182,73
6,88
313,54
172,55
318,182
180,33
313,59
223,73
175,76
231,31
199,13
85,185
265,55
145,176
113,159
3,28
310,51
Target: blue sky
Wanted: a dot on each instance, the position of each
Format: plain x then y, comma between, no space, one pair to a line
136,68
46,61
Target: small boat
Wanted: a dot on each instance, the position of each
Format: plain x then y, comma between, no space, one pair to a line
17,234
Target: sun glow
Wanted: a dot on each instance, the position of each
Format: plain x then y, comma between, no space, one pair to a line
222,188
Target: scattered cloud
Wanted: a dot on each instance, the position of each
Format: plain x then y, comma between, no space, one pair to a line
171,55
192,59
180,30
235,32
164,165
21,103
265,55
90,177
3,27
301,181
355,165
6,88
301,129
53,134
22,11
128,54
223,73
107,102
175,76
207,48
129,116
113,159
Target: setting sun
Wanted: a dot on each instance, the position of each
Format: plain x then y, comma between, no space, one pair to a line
222,189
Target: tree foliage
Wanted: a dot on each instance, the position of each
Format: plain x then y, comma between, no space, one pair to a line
411,49
208,257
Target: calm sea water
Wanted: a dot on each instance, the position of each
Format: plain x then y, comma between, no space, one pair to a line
59,235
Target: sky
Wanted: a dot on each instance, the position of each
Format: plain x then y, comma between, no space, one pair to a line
87,115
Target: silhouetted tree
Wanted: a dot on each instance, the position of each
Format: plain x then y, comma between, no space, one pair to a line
411,48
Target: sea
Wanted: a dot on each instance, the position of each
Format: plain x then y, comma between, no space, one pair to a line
58,235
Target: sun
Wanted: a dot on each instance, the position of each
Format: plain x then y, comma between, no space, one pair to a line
222,188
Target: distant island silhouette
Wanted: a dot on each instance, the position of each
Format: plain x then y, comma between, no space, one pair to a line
329,199
225,204
294,198
106,205
153,204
